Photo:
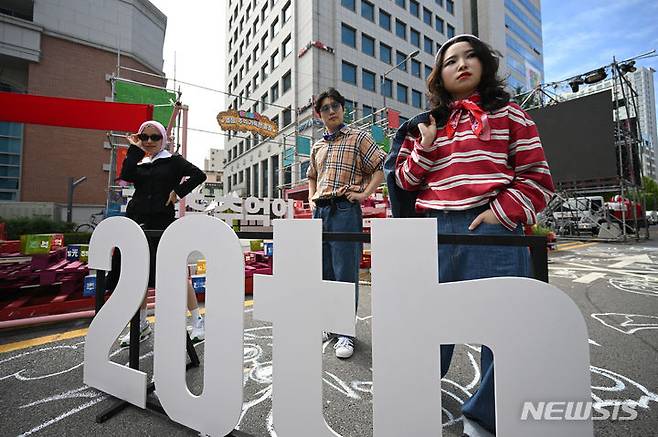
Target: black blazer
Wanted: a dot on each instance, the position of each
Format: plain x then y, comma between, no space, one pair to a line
153,182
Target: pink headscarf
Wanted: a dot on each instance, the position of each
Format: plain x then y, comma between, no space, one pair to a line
161,129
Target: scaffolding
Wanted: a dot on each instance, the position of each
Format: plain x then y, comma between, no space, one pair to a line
579,210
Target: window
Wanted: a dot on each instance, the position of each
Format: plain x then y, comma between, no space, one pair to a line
263,71
416,99
402,93
367,10
414,38
263,102
428,71
286,47
438,24
274,27
400,59
387,88
427,16
274,93
256,178
384,20
349,4
286,116
385,53
348,35
368,110
451,31
367,45
263,43
415,68
275,59
450,6
368,80
349,73
414,8
428,46
401,29
439,2
401,3
286,81
285,14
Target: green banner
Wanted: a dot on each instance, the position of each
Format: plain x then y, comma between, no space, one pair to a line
125,92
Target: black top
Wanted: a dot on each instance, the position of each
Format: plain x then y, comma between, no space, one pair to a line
153,182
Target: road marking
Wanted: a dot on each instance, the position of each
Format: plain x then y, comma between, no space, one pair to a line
628,260
38,341
589,278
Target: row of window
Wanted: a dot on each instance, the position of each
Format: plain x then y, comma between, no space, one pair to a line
385,21
534,26
530,56
11,140
275,27
262,180
268,97
268,66
349,38
369,82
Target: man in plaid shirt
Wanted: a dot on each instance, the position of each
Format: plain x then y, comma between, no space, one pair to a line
346,167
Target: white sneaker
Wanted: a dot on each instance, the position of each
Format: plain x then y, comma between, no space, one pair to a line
344,347
144,333
198,330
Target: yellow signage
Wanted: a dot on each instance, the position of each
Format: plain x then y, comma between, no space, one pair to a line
245,121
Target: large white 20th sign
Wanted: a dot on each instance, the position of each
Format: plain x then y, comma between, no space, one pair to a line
537,333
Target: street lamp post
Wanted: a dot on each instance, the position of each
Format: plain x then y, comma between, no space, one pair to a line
69,198
381,86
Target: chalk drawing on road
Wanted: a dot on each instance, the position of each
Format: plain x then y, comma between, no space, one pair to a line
645,286
627,323
620,390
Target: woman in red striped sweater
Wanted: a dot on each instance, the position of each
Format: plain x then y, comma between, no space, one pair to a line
479,168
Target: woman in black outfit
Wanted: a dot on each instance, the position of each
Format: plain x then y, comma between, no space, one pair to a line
157,176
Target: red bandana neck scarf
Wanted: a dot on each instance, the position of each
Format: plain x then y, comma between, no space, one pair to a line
478,118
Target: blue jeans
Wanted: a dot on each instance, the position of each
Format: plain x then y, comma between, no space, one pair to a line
340,260
464,262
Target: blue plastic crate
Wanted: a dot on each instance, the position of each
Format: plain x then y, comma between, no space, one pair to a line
199,283
269,249
73,252
89,287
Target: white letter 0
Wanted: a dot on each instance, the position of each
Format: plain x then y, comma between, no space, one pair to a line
112,378
217,410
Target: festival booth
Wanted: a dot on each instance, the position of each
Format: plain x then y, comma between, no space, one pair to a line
42,278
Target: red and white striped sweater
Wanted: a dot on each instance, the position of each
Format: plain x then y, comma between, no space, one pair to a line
509,172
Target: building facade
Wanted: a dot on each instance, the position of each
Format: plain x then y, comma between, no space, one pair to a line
69,49
283,53
642,82
213,166
513,27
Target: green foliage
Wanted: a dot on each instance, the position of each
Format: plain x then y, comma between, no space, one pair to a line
34,225
77,238
541,231
648,193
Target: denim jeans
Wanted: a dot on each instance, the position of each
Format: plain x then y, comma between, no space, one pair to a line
463,262
340,260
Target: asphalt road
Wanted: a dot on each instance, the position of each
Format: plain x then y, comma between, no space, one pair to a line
615,286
